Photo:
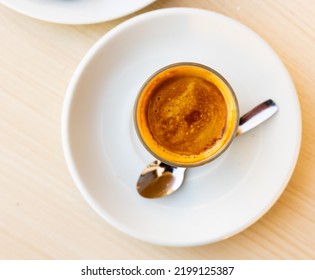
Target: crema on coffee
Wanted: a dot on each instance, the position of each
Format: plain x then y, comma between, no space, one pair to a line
186,114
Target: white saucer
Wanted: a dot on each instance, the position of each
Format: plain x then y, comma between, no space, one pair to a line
105,157
76,11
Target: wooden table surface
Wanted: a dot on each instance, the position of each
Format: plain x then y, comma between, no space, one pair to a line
42,213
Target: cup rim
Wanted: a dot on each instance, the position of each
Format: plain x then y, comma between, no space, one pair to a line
208,159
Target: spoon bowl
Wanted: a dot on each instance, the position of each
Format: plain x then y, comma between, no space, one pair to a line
159,179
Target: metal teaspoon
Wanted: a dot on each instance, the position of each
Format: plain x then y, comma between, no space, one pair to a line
159,179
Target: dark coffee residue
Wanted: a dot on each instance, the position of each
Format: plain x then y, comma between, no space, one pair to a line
192,117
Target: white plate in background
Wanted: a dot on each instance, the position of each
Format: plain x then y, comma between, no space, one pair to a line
76,11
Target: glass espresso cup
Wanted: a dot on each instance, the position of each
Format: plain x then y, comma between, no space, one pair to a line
186,114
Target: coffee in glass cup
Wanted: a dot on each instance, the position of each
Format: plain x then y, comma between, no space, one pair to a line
186,114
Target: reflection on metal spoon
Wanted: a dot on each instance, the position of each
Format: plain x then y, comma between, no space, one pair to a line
159,179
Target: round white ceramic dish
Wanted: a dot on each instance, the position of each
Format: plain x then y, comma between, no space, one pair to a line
105,157
76,11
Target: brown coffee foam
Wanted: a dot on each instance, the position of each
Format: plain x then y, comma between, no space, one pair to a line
198,120
187,114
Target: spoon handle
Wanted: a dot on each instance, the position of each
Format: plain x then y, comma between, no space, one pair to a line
256,116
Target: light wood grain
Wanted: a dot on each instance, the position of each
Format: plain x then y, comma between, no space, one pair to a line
42,214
